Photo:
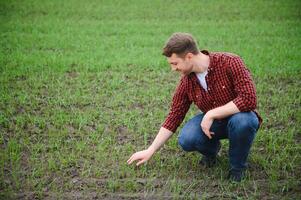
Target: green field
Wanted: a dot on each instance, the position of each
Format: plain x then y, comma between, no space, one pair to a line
83,85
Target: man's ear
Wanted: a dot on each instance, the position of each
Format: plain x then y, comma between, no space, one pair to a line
189,56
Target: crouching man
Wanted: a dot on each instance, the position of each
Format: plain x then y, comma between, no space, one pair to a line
220,85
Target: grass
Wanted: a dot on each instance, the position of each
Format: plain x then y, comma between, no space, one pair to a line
83,85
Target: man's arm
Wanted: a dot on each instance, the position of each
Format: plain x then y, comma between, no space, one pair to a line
217,113
143,156
179,107
244,87
223,111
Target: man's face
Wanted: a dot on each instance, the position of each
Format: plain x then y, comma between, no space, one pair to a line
182,65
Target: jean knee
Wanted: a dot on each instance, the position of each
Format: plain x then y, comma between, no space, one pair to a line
243,125
190,133
185,142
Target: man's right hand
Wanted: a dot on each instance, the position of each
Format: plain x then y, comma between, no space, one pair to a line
145,155
141,156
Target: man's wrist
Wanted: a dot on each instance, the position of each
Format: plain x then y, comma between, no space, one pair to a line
211,114
151,149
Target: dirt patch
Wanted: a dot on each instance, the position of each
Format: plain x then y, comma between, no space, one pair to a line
122,130
298,138
123,136
80,106
89,128
73,172
257,171
72,74
32,129
279,125
21,78
71,129
137,105
207,189
20,110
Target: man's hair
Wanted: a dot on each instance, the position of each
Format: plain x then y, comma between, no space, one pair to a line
180,44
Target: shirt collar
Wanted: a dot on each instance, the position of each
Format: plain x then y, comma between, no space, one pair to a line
211,60
211,63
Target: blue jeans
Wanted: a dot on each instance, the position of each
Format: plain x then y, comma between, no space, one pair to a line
239,128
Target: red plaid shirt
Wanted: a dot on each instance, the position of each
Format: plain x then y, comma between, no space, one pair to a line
228,79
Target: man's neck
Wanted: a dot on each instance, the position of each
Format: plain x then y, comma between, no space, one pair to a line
201,63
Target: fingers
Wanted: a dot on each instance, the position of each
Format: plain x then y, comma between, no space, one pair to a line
208,133
206,124
129,160
140,162
132,159
141,157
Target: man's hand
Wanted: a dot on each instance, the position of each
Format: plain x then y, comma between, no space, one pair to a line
206,124
145,155
141,156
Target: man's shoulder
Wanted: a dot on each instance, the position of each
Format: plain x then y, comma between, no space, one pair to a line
224,59
225,55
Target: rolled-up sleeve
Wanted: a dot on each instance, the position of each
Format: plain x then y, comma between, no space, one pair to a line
243,86
179,107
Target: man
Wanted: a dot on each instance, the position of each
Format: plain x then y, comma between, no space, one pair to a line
220,85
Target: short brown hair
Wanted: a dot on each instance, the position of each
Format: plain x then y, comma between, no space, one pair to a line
180,44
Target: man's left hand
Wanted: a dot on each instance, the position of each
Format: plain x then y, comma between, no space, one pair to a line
206,124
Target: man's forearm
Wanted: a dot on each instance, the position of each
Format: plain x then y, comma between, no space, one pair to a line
224,111
162,136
